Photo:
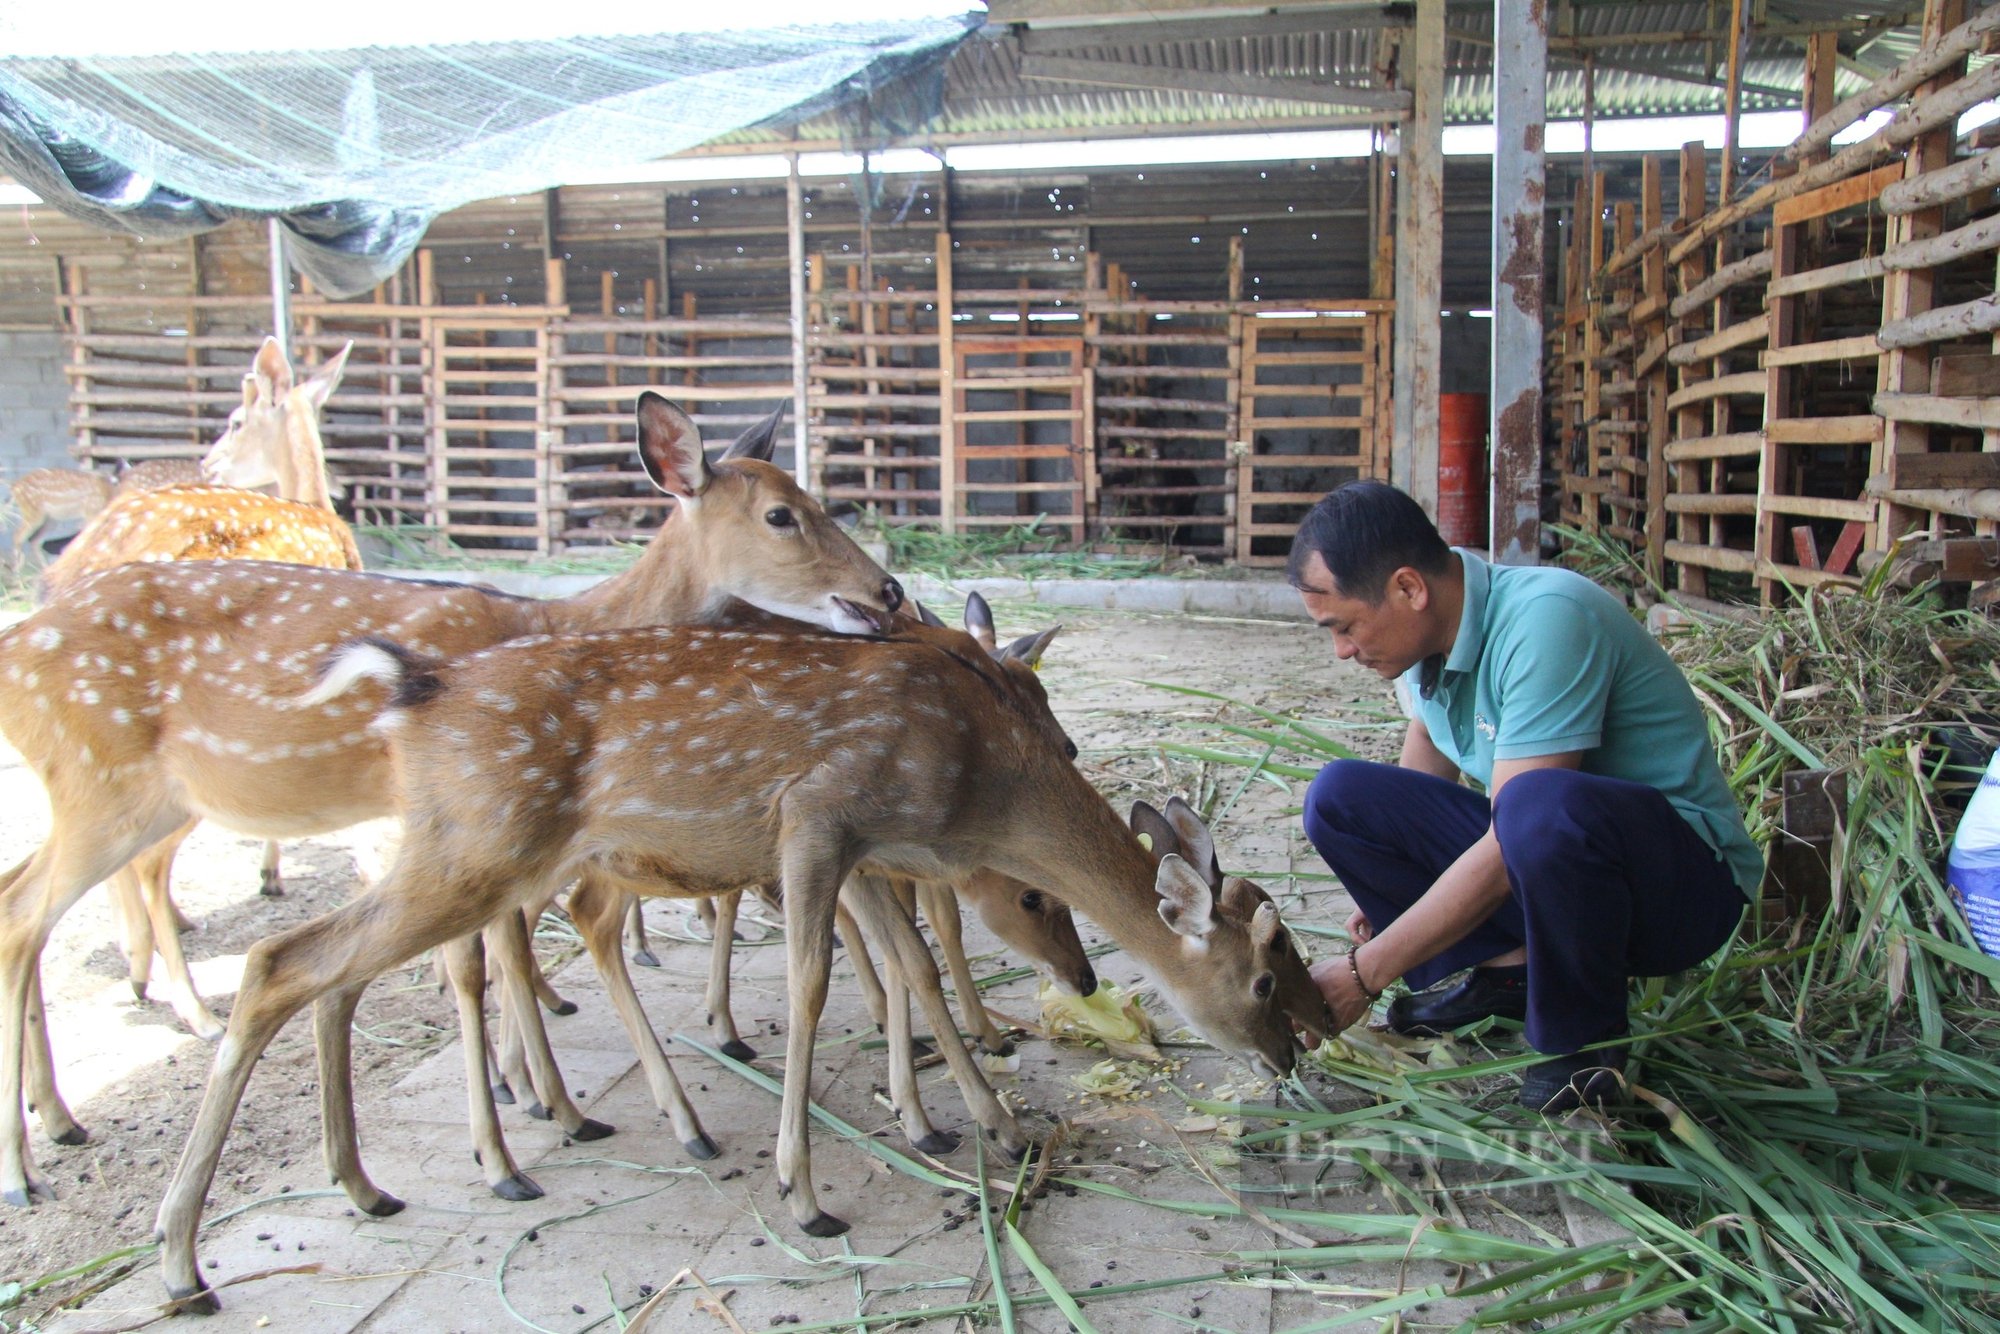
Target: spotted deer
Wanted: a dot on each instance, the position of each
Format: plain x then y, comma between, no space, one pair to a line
691,761
43,496
152,474
154,694
272,437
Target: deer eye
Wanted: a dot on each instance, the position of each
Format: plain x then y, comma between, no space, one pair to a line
1032,900
1069,749
1263,986
781,517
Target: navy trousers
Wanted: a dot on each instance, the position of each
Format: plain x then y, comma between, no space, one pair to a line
1609,881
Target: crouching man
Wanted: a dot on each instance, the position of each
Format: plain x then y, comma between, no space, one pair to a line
1605,844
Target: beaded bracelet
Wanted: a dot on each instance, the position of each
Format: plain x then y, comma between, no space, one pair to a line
1355,969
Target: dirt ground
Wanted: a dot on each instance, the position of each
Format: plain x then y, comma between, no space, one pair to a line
134,1075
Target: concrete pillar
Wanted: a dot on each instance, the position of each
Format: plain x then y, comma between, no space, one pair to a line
1520,62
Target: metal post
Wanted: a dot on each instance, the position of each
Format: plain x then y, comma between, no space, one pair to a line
795,235
1420,262
1520,64
281,288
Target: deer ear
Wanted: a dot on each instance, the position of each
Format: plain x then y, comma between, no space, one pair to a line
320,386
1240,899
1264,925
670,448
979,622
1185,902
758,441
1155,834
928,617
249,391
1196,844
273,373
1029,648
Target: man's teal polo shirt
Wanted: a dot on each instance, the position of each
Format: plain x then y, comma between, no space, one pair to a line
1547,662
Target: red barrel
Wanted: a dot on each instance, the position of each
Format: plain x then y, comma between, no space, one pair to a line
1461,515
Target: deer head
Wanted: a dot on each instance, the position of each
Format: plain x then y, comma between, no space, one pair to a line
273,438
1039,926
1253,985
744,525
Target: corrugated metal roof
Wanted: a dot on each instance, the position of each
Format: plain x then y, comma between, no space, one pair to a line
1664,69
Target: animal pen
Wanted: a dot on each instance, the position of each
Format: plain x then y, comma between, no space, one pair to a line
959,388
1776,385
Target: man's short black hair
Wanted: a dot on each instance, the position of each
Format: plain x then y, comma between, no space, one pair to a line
1365,532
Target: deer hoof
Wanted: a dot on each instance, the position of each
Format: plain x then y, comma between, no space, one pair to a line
826,1225
272,887
937,1144
197,1300
592,1129
645,958
383,1205
502,1093
566,1007
138,991
518,1188
701,1148
1005,1048
736,1049
539,1112
72,1137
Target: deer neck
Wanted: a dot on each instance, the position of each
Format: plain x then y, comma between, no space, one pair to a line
302,463
668,585
1095,865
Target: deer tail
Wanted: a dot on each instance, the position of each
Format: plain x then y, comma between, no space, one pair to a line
410,677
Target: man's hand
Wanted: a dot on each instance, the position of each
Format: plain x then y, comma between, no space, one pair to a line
1359,929
1335,980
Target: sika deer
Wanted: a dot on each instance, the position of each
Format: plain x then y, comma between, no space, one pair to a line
273,436
706,759
46,494
154,694
152,474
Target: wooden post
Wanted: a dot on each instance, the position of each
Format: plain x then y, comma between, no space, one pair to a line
795,238
1689,528
1652,340
1420,261
559,516
1912,292
947,389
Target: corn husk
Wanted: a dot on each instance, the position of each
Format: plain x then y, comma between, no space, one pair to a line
1108,1016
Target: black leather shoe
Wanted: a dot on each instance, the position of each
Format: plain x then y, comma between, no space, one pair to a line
1565,1083
1481,993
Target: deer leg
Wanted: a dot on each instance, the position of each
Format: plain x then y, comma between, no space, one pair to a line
44,1099
135,929
904,1094
721,1020
33,897
599,912
812,886
510,933
910,956
270,883
152,869
865,975
509,1056
941,911
465,961
636,941
344,948
333,1039
551,999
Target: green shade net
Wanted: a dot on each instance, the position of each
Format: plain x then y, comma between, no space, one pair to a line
358,149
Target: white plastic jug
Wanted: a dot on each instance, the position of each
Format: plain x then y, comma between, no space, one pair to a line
1974,867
